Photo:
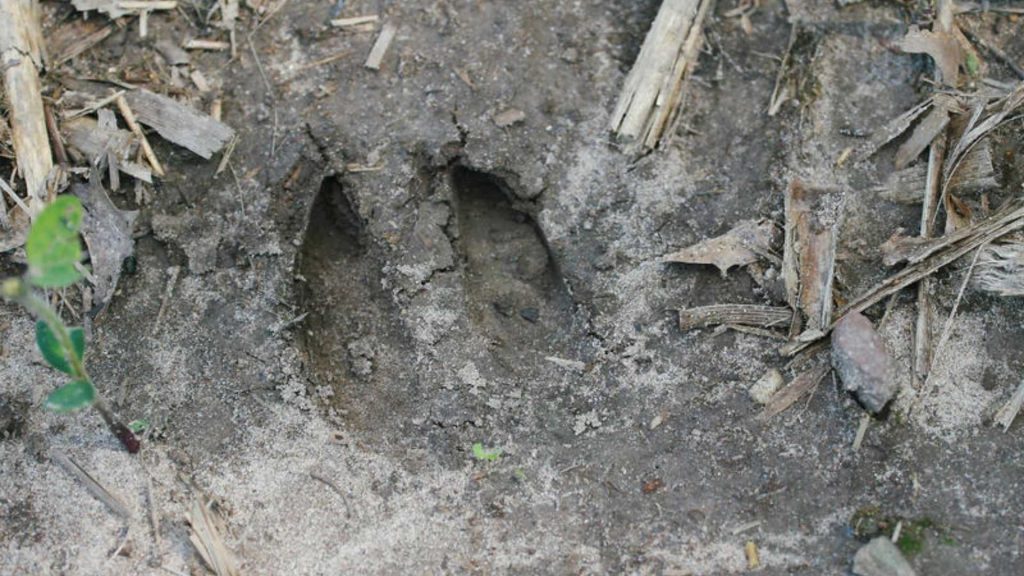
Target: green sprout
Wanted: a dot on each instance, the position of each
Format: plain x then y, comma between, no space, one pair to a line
488,454
972,64
54,255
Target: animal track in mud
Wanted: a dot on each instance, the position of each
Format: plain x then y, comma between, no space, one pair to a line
359,347
352,335
514,292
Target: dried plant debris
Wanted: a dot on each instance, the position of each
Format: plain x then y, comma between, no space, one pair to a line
22,58
976,174
101,143
746,243
1000,268
944,49
792,79
984,118
809,252
117,8
881,557
933,124
99,491
936,254
741,314
649,103
1008,413
380,46
108,235
862,362
205,536
795,390
180,123
109,7
897,126
74,38
900,248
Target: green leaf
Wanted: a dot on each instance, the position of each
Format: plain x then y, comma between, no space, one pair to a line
74,396
52,247
972,64
138,425
52,350
481,453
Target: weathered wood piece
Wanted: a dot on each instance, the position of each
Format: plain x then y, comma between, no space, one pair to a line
809,254
380,47
22,57
179,123
742,314
649,102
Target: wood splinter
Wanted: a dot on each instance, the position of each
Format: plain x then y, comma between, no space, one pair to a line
648,106
133,125
22,56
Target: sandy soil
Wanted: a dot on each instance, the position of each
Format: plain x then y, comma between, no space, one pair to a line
334,341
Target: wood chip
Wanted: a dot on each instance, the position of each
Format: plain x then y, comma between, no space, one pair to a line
933,124
117,8
649,103
897,126
179,123
742,314
746,243
809,253
21,60
200,81
380,47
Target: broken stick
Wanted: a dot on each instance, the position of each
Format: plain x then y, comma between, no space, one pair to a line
649,103
133,125
21,58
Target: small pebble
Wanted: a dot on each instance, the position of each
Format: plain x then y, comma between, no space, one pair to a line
530,314
881,557
862,362
766,386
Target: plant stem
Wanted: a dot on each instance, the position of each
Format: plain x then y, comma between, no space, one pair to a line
41,309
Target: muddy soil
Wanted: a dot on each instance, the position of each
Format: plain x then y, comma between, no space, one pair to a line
385,277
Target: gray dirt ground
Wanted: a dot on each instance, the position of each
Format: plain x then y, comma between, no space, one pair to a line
503,286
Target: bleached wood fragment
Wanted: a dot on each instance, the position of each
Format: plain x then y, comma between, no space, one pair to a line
380,47
649,102
22,56
179,123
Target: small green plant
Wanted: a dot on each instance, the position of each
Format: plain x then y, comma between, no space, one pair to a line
488,454
54,255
